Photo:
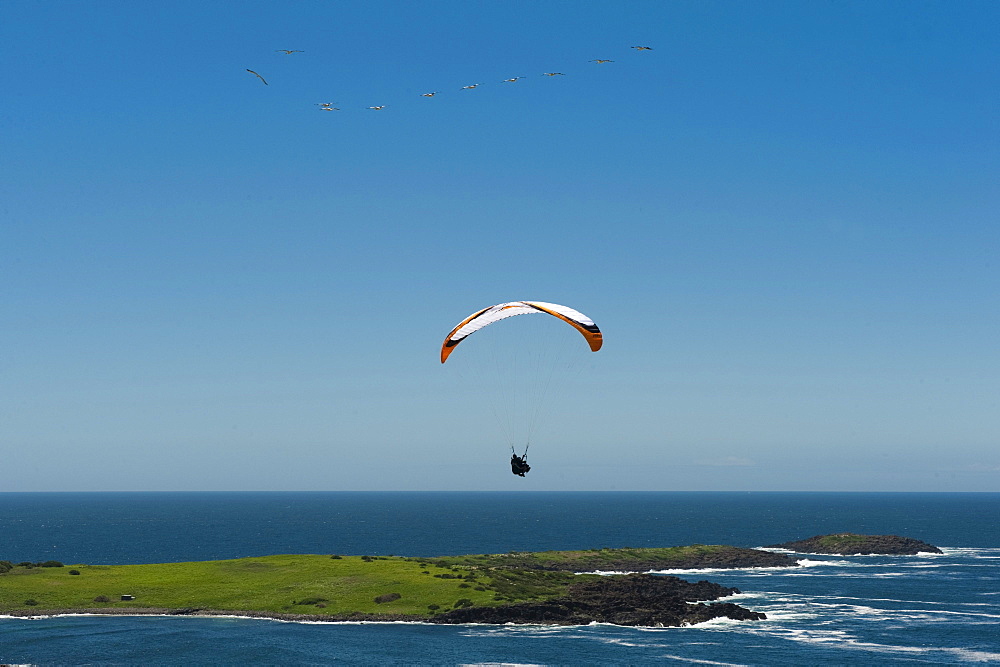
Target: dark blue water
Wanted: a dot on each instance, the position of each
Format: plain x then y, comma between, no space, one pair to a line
834,610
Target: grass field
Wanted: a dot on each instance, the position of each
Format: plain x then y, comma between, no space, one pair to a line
288,584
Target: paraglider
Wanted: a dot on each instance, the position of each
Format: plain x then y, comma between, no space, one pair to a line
519,464
504,366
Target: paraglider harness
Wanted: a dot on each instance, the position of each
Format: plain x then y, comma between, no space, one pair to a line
519,464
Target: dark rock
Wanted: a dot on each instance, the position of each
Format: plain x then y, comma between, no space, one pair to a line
185,611
846,544
635,599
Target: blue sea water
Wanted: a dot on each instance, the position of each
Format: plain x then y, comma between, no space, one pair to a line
925,609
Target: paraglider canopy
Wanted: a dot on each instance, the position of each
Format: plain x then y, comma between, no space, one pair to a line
487,316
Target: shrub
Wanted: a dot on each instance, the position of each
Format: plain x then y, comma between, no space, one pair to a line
6,566
479,588
464,602
25,563
310,601
74,571
432,607
367,559
31,602
335,557
50,563
464,586
102,598
388,597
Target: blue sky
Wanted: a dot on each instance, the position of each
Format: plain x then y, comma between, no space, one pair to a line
783,217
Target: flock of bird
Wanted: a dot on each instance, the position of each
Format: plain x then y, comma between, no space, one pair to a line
329,106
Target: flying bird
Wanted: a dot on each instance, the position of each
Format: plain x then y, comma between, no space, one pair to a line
429,94
643,48
288,52
378,108
553,74
327,106
471,87
257,75
512,79
601,61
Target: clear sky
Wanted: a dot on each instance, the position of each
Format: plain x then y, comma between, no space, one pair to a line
784,217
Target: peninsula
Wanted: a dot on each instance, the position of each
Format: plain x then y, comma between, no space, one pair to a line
515,587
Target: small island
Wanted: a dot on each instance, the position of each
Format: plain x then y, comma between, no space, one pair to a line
848,544
516,587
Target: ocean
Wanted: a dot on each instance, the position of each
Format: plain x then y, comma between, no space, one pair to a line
835,610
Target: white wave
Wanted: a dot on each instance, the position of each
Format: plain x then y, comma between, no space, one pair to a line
40,617
919,554
714,570
847,642
972,655
983,553
844,640
520,630
897,601
743,596
724,622
696,661
809,562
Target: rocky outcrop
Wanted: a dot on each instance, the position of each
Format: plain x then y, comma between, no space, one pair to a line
636,599
847,544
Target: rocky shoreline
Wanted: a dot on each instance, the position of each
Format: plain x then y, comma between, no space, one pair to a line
635,599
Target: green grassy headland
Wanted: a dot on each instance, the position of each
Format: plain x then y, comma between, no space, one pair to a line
321,585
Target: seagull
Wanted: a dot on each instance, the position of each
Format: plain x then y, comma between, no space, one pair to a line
553,74
328,106
643,48
378,108
257,75
512,80
288,52
429,94
471,87
602,61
